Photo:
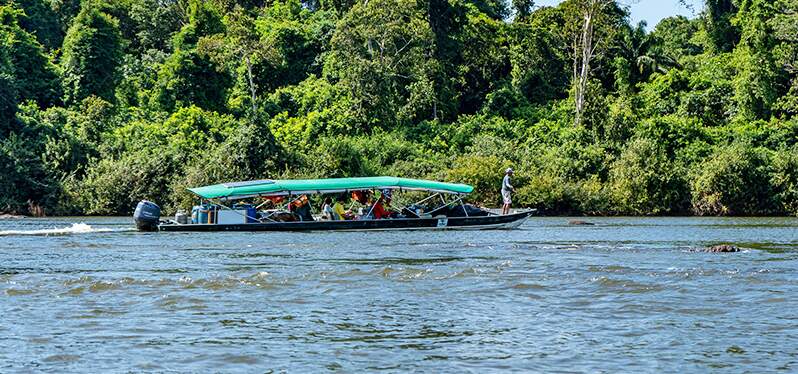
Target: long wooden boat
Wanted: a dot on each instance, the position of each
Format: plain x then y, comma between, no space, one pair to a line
494,222
451,214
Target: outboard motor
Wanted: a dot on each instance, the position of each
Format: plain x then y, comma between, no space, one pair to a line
147,216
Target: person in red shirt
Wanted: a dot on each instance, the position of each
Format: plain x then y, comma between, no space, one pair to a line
379,210
382,208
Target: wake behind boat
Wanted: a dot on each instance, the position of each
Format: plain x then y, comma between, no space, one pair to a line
285,205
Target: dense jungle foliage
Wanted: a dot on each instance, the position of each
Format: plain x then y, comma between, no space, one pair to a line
104,103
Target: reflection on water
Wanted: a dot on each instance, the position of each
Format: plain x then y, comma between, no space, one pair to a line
626,294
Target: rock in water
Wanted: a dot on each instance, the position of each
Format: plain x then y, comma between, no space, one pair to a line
581,223
723,248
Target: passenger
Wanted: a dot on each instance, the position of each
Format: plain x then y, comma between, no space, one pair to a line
338,209
327,210
301,206
361,197
379,211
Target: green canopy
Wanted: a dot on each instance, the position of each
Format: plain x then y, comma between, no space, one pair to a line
266,187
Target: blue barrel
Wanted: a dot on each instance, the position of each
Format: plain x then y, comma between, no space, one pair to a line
195,219
251,214
202,216
205,214
250,210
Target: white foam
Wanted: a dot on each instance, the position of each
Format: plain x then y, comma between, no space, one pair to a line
76,228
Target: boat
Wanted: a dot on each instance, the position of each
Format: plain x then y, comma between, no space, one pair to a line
285,206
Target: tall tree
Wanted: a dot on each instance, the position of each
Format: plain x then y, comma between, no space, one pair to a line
92,55
522,9
643,54
42,21
722,34
8,89
34,76
382,57
785,31
586,46
190,76
757,74
675,36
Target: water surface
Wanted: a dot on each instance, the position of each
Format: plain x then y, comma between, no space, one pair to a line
627,294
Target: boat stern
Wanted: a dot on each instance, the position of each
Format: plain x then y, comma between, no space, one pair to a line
147,216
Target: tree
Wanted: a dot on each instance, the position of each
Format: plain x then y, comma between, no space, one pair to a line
643,180
757,75
785,179
238,44
733,180
642,54
284,49
156,22
723,36
92,55
484,62
495,9
675,37
522,9
8,103
539,66
586,46
41,21
204,19
189,76
23,60
785,30
381,57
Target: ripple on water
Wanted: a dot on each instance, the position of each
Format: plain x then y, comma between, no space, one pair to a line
19,291
61,358
625,296
627,285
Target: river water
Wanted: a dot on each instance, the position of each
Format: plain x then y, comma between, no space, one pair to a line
628,294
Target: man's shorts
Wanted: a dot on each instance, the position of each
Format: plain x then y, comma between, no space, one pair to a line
506,197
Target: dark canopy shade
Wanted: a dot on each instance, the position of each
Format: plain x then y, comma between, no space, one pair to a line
266,187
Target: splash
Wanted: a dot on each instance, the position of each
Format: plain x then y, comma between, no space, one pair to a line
76,228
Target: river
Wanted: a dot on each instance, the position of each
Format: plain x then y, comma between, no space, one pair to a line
628,294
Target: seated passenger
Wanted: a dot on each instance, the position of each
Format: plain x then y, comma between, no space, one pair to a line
340,212
361,197
379,211
301,206
327,210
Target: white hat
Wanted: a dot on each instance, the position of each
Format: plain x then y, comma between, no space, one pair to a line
509,170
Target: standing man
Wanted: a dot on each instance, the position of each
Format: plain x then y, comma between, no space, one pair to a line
507,189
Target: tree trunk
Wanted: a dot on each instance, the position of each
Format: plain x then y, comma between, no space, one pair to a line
585,49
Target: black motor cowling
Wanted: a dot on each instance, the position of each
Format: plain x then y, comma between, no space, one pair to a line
147,216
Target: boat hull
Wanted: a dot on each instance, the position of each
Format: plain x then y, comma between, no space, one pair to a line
494,222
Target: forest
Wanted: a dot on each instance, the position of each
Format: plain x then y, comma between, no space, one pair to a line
104,103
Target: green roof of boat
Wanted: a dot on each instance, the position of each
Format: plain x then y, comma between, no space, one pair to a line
267,187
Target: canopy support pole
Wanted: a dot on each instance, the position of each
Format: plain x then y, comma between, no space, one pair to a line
460,200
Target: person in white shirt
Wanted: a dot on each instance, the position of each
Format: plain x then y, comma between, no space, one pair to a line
507,189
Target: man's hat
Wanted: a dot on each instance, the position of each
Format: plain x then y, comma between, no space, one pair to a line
508,171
